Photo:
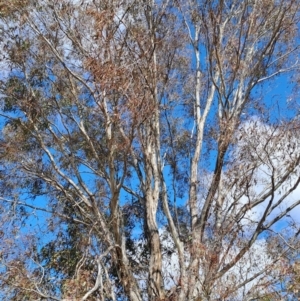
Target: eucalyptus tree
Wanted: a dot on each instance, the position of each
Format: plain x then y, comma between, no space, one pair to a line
147,152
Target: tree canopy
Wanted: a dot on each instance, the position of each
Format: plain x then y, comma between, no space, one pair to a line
149,150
